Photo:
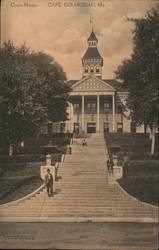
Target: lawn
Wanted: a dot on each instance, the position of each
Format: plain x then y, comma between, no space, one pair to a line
20,173
18,180
143,175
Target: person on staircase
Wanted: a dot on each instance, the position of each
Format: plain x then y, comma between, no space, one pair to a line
84,143
49,183
110,165
126,166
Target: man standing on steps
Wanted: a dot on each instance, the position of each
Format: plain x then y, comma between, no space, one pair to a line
110,165
49,183
84,143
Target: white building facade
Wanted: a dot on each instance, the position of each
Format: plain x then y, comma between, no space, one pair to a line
96,104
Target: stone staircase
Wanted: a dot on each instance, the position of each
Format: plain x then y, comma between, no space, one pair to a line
83,192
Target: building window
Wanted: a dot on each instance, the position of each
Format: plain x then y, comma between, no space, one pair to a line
86,70
91,127
97,69
119,107
91,107
106,127
107,107
76,127
62,127
76,108
119,127
92,69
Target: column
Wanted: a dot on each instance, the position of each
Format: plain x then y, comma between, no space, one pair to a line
98,108
113,105
83,113
71,117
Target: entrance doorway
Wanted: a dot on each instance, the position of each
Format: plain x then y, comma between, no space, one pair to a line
91,127
106,127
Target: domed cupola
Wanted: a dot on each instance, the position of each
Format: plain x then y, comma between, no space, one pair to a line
92,61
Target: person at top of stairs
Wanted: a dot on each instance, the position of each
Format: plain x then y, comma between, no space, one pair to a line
84,143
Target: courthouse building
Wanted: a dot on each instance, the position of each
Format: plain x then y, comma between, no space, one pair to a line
96,104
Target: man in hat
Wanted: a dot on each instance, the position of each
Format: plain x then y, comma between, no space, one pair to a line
49,182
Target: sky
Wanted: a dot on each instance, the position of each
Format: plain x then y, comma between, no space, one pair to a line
60,29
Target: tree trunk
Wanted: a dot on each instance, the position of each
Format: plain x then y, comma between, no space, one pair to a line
145,128
153,133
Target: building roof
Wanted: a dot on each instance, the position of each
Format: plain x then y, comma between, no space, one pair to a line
116,84
92,37
92,53
112,82
70,83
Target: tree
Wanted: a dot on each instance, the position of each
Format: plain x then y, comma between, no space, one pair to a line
28,92
140,73
56,91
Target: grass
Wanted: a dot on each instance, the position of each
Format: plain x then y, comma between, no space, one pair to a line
19,180
142,181
143,175
13,189
20,173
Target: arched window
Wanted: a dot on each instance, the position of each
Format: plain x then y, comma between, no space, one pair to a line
86,69
97,69
92,69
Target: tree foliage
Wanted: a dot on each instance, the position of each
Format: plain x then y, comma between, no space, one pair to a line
32,91
140,74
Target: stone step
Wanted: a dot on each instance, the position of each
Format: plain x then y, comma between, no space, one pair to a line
84,193
91,147
76,210
81,196
69,190
80,202
89,151
84,160
76,205
74,167
60,202
71,215
119,211
86,172
82,179
81,184
87,164
72,208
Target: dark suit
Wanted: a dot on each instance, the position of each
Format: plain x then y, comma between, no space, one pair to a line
110,165
49,183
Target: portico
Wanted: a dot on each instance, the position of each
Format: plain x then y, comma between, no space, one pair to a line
90,109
